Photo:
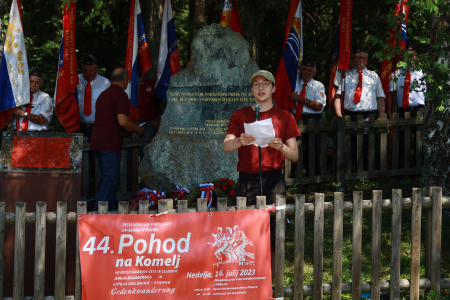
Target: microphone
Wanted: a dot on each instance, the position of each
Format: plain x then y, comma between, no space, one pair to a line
257,108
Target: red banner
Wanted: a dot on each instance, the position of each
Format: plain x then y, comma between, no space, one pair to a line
40,152
345,34
66,106
176,256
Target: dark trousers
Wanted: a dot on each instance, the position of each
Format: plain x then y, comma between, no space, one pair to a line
307,120
354,116
273,185
109,163
401,113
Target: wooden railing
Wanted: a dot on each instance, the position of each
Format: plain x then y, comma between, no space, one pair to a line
430,206
340,130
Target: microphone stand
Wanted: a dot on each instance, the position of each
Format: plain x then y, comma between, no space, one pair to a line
259,157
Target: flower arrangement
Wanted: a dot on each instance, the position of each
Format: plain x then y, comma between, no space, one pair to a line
227,185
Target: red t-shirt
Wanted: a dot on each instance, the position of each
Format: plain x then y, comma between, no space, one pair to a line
107,134
271,159
148,103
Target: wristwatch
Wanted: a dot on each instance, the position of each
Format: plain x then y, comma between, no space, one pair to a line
25,115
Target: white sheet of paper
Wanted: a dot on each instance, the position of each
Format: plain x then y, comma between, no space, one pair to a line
262,131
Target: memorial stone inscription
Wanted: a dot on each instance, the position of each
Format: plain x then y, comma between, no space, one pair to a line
187,150
209,123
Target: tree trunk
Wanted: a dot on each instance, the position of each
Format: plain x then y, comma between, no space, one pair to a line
436,132
251,27
154,12
197,11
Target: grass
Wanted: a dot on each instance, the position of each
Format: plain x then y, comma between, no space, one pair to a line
386,185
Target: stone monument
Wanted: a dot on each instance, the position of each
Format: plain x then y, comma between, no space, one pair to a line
187,150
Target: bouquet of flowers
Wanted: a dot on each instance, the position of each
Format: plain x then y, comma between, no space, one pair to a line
227,185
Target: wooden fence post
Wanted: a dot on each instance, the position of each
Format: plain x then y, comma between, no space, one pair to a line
182,206
85,170
280,222
222,204
357,243
318,246
202,205
143,207
124,208
340,146
383,144
428,235
60,253
102,207
300,153
338,233
19,251
396,235
376,244
164,205
39,248
416,218
2,245
436,226
81,209
299,250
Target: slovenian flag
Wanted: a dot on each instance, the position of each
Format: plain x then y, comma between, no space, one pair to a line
14,78
231,17
138,59
66,95
168,60
287,74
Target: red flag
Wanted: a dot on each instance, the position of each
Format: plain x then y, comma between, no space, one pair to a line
345,34
66,106
389,66
286,76
231,17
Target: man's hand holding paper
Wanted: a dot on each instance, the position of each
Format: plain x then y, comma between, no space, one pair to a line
262,131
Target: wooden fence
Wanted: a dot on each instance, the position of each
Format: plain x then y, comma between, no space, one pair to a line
340,130
430,206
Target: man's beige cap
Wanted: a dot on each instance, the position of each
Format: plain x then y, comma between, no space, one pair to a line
265,74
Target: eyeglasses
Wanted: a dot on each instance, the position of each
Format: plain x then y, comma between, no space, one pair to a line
129,80
263,85
359,57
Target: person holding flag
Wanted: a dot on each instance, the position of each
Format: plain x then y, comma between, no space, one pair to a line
168,60
36,115
364,95
309,101
14,80
230,16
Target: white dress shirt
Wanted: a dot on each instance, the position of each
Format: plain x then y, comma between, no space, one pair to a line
42,105
371,90
416,97
315,91
98,85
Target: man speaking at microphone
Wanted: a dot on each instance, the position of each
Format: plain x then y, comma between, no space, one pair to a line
272,157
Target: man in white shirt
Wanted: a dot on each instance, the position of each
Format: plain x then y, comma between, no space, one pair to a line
310,100
406,99
36,115
364,95
90,87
